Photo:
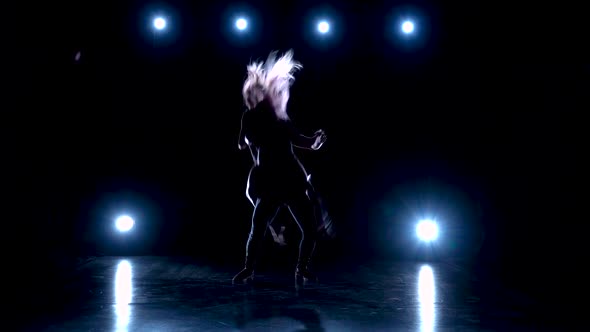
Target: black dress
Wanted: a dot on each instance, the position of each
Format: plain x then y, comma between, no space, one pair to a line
277,174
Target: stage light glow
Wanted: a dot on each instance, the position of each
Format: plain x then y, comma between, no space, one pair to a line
241,24
408,27
323,27
427,230
124,223
159,23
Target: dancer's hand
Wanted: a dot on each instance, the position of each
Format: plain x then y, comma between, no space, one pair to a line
320,139
280,238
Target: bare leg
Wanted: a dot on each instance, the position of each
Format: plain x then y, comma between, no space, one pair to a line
264,213
303,212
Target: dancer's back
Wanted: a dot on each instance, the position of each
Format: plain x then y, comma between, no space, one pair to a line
269,137
277,173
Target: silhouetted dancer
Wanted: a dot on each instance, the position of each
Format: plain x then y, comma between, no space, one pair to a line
277,177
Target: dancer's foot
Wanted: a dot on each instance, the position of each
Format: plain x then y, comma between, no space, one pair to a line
245,276
303,276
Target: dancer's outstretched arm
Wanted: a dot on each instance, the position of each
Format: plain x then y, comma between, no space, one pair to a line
311,143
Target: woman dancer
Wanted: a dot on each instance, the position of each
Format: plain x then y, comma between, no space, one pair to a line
277,177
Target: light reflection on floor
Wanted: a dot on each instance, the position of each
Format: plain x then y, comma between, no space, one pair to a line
426,298
151,295
123,295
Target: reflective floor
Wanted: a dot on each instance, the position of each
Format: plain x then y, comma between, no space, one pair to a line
177,294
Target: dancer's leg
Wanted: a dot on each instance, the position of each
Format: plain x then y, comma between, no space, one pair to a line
303,213
264,212
325,226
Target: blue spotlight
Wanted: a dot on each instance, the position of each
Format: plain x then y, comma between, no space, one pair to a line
427,230
124,223
241,24
323,27
408,27
159,23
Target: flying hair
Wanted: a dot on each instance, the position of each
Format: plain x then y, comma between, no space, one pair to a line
271,79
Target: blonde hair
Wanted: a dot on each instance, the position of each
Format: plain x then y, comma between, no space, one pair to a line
271,79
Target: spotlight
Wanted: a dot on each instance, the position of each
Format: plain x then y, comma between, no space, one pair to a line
323,27
159,23
427,230
241,24
408,27
124,223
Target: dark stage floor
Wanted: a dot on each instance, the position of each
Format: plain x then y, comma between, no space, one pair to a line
177,294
